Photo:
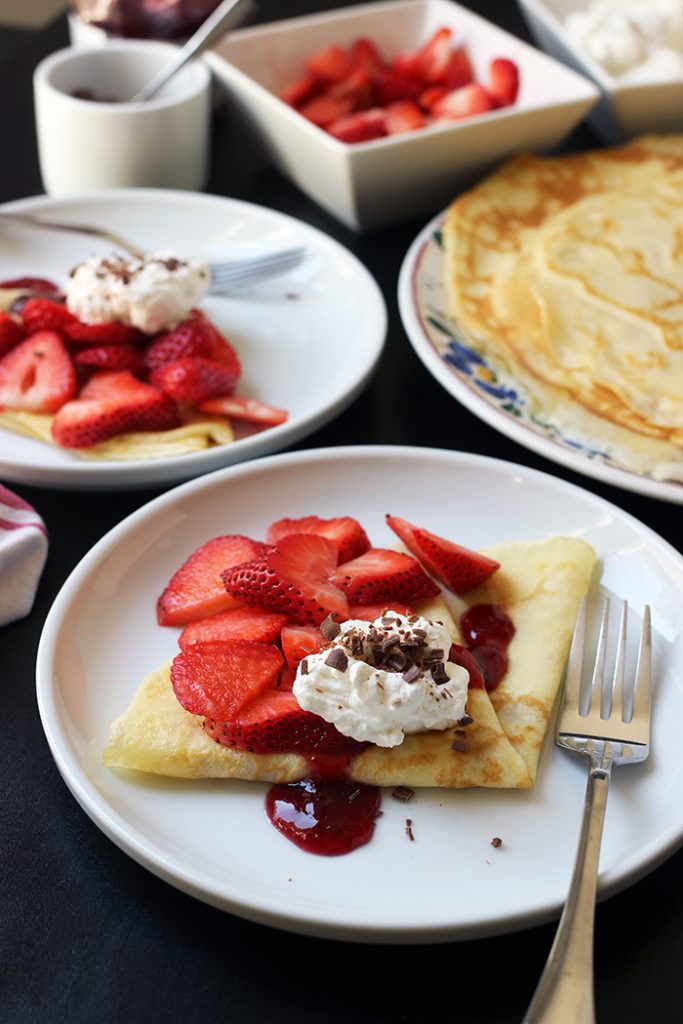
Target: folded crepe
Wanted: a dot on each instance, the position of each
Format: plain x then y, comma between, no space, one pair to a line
540,585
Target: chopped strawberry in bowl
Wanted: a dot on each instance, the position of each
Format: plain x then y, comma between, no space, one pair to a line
380,112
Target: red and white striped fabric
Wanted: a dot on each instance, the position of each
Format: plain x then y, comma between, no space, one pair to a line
23,550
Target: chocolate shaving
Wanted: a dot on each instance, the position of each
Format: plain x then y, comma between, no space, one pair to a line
397,661
329,627
403,794
303,667
337,659
409,829
465,720
460,745
496,841
439,674
411,674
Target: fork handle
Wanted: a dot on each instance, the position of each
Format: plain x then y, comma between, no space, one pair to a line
565,992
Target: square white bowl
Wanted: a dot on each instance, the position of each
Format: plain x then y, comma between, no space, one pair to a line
390,179
624,111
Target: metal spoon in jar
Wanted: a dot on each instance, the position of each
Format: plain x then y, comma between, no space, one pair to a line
226,15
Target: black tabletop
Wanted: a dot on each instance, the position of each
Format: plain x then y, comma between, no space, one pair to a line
89,935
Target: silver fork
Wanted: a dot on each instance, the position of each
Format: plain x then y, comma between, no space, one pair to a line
610,725
226,276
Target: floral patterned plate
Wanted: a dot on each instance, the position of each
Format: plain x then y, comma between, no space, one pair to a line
491,392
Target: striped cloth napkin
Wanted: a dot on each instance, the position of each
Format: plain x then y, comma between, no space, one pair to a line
23,550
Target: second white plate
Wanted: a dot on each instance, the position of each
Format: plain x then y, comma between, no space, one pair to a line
309,342
212,839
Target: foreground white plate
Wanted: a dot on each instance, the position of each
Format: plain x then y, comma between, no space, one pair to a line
309,341
501,401
212,839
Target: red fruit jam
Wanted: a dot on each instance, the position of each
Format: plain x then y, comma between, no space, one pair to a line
324,816
35,284
487,631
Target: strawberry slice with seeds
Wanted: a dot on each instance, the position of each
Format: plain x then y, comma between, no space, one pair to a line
41,314
504,81
330,64
275,723
196,591
37,375
111,357
299,91
112,402
464,102
325,110
219,677
246,623
393,85
459,71
357,87
435,56
293,577
193,378
360,127
11,333
109,333
347,533
298,642
195,336
383,575
251,410
458,568
431,96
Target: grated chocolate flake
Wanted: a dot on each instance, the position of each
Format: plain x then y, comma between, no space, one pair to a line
439,674
465,720
460,745
403,794
411,674
497,842
337,659
303,667
329,627
409,829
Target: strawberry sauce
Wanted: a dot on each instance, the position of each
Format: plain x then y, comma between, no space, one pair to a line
487,631
324,816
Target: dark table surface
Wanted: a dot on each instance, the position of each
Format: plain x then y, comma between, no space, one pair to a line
86,933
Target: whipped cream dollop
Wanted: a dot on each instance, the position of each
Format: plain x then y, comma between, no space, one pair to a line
153,293
380,681
633,40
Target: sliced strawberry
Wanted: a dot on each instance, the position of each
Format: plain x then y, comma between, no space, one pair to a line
32,284
246,623
275,723
407,62
112,402
11,333
504,84
195,336
403,116
111,357
459,71
194,378
370,612
365,55
383,575
360,127
464,102
358,87
37,375
248,409
392,85
330,64
325,110
431,96
458,568
299,91
196,590
102,334
294,578
347,533
435,56
40,314
300,641
219,677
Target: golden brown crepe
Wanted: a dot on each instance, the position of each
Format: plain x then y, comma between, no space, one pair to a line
541,584
197,433
571,269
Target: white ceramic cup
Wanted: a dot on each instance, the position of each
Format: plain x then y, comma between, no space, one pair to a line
86,144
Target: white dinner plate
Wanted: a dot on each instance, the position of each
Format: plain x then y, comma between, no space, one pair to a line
309,341
479,383
212,838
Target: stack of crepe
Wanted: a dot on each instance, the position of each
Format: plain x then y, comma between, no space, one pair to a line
570,271
540,585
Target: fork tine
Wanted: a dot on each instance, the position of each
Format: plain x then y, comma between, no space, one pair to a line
574,670
614,697
641,695
600,658
253,269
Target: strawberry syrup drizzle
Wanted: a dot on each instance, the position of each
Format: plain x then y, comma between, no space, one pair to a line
326,813
487,630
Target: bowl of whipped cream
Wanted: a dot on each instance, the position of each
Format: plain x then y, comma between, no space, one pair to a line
632,49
